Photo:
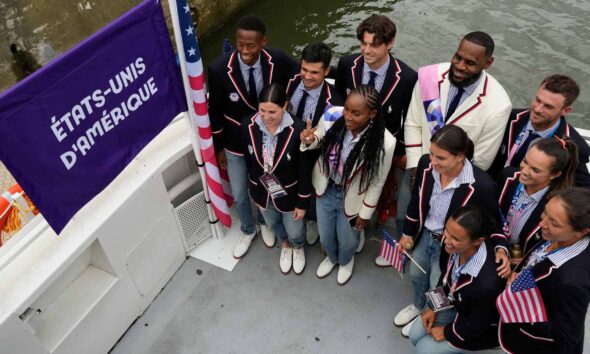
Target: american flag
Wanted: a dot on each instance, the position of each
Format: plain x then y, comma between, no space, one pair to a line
521,302
392,253
217,179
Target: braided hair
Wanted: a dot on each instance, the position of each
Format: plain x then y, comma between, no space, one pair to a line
368,151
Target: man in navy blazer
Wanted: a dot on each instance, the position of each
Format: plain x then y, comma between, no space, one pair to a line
545,118
235,80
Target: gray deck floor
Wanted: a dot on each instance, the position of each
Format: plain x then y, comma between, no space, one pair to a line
257,309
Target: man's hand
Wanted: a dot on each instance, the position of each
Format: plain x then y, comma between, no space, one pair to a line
307,136
511,278
502,258
221,160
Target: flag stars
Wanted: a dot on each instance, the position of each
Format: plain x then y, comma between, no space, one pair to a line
191,52
189,30
186,9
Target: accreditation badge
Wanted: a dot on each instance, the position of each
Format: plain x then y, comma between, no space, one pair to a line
273,186
437,299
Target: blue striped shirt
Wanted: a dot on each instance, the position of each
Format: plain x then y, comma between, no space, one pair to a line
441,199
560,256
473,265
381,72
244,68
348,144
270,140
527,203
524,134
311,102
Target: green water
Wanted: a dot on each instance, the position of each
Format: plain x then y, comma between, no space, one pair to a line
534,38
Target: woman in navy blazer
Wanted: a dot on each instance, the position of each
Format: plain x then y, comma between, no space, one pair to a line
271,145
560,267
445,181
549,166
471,282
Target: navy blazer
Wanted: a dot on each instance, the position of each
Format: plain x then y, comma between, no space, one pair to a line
517,121
566,295
480,193
291,166
228,96
476,324
328,97
529,235
396,92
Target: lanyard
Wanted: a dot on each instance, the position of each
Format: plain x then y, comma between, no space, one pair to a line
538,255
521,138
455,273
514,213
268,152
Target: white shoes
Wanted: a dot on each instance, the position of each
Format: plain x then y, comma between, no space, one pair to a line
286,259
312,234
345,272
298,260
361,242
325,268
381,262
267,236
408,327
242,246
406,315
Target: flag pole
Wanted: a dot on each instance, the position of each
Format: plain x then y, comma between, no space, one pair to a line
216,228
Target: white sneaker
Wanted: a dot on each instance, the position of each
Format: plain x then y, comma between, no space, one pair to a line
406,315
361,242
381,262
286,259
298,260
267,236
325,268
242,246
312,234
408,327
345,272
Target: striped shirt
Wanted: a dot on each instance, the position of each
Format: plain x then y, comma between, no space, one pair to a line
440,200
472,266
520,210
311,102
244,68
269,141
560,256
381,72
524,134
469,90
348,144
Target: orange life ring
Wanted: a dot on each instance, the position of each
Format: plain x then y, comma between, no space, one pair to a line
6,206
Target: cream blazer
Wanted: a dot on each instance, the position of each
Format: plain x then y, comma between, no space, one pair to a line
483,116
356,202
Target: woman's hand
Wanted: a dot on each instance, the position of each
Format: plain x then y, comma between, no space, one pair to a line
307,136
438,333
406,243
360,223
504,267
298,214
428,318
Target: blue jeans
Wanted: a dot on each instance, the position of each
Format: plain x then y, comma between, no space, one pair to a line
404,195
284,226
424,342
338,238
238,179
427,254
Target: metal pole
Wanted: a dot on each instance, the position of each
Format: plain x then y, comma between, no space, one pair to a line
216,228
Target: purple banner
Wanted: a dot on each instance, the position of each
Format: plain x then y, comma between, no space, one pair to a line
70,128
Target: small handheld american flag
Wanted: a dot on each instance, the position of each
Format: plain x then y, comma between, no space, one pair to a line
521,302
392,253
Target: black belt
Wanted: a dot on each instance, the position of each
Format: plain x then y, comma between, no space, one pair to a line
435,236
333,184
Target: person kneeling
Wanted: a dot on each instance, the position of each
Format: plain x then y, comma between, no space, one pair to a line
462,315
